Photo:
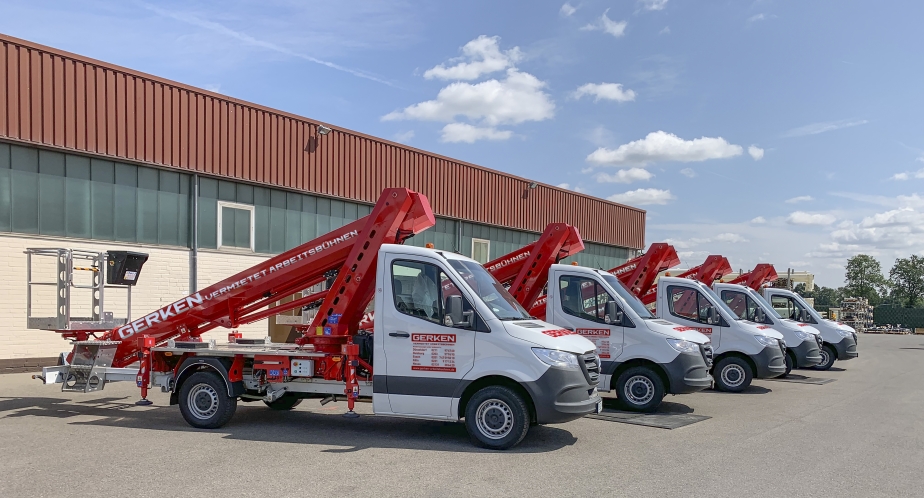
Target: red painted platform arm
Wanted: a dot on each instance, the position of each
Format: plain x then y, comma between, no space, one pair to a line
761,275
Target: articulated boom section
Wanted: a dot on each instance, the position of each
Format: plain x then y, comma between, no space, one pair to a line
526,270
761,275
243,298
639,274
714,268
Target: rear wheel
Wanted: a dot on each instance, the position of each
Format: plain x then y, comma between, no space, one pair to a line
285,402
733,374
827,358
204,401
497,418
639,389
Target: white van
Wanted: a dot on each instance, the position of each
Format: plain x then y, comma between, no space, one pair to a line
642,357
840,341
803,342
743,349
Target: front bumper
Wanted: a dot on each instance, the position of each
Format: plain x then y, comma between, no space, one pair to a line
846,349
687,373
770,363
561,395
807,353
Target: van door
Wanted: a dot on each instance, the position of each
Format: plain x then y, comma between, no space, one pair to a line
426,358
690,308
581,307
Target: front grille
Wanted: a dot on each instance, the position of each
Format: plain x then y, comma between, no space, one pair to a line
706,350
590,364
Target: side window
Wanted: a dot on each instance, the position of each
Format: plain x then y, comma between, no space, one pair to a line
739,303
583,298
420,290
683,302
783,305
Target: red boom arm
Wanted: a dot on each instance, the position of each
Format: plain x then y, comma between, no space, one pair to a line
240,299
761,275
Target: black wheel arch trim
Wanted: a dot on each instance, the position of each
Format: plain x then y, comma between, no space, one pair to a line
193,364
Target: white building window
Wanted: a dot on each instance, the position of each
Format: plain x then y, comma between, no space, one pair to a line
481,249
235,225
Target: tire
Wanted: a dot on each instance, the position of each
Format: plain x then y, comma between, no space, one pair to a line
285,402
732,374
497,418
790,364
204,401
828,357
639,389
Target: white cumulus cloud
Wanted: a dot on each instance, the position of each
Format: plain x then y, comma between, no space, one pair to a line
479,57
605,91
801,198
567,9
625,176
607,25
567,186
464,132
688,172
517,98
756,152
803,218
665,31
663,146
404,136
643,197
759,220
907,175
734,238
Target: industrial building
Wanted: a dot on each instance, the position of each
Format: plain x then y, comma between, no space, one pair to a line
99,157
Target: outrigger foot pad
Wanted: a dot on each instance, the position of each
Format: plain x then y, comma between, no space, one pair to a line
144,402
351,414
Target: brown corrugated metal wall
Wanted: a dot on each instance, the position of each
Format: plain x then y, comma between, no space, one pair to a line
58,99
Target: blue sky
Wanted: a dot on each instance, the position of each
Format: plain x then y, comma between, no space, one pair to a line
766,131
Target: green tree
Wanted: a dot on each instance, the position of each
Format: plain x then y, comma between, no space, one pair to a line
864,278
907,279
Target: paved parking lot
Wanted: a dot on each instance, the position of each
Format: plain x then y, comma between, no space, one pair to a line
862,435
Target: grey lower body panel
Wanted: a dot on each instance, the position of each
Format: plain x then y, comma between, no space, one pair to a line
562,395
807,353
846,349
769,362
687,373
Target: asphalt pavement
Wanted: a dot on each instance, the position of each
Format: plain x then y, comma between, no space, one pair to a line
861,435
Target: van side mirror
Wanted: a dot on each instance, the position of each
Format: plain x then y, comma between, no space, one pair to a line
713,317
612,315
804,316
760,316
455,316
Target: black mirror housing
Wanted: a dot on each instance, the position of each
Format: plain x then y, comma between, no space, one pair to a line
454,314
611,316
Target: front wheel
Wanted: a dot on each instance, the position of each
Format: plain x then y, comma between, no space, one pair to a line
733,374
790,363
827,358
639,389
497,418
204,401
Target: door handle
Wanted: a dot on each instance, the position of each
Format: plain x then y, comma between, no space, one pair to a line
399,334
570,328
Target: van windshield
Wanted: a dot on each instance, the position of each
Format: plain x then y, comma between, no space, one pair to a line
489,290
631,300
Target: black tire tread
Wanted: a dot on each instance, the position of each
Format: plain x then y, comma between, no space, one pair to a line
655,402
520,412
226,407
717,375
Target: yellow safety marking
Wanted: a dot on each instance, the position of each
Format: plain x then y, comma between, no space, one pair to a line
86,269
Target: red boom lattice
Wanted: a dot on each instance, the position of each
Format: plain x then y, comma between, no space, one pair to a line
639,274
761,275
240,299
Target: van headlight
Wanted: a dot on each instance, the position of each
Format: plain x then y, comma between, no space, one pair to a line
556,358
683,346
804,335
845,333
766,340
